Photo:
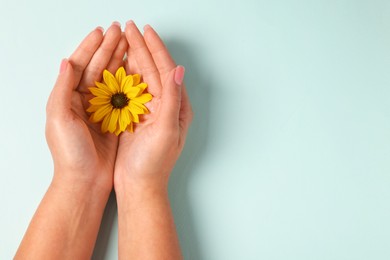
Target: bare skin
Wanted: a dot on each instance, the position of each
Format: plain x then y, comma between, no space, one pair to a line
146,227
89,164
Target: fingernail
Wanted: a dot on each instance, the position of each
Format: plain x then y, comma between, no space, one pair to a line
100,29
179,74
129,22
64,64
147,27
116,23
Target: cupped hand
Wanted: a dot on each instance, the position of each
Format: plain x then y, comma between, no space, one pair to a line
80,151
148,155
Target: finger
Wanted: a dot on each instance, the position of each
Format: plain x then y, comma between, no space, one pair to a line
159,52
99,61
172,98
143,58
119,53
131,64
61,96
83,54
186,113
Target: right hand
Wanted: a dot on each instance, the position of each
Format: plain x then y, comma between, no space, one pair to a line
148,155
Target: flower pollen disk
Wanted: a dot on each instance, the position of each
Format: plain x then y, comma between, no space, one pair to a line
119,100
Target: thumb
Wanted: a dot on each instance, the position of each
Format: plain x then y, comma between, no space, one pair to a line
61,95
171,96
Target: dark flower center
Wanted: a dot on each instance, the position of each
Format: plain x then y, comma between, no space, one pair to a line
119,100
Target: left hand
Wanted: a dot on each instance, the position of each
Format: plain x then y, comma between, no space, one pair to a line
67,221
81,153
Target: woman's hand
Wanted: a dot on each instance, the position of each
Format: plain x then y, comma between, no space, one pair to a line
148,155
81,153
66,223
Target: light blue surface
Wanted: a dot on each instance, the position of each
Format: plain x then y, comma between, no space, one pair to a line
288,156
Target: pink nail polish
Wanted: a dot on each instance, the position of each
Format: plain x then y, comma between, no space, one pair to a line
147,27
179,75
63,66
100,29
116,23
129,22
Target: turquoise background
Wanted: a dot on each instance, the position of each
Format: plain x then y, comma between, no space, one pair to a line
288,155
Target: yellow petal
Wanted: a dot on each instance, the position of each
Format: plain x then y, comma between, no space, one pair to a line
126,115
132,92
105,123
124,119
130,128
131,114
101,113
135,108
142,86
117,131
104,87
120,75
110,81
136,79
135,117
127,83
100,101
139,106
99,92
93,108
113,120
144,98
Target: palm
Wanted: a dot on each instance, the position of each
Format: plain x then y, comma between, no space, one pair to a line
158,138
75,142
141,148
98,148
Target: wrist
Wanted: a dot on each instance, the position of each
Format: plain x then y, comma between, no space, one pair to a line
140,182
140,186
136,190
79,184
90,176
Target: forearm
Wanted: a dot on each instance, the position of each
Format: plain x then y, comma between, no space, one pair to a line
66,222
146,225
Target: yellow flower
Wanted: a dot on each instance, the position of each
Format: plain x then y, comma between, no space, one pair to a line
118,101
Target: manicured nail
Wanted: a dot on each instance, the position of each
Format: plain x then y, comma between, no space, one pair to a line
64,64
116,23
100,29
147,27
179,74
129,22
